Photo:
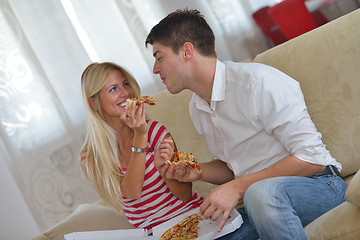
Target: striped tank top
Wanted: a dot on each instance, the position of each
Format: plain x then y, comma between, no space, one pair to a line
157,204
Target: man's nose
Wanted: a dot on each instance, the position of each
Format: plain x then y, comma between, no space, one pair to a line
155,69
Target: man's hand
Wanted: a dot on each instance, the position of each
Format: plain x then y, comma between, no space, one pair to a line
220,202
183,174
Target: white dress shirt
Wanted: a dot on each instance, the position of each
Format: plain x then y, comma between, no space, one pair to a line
257,116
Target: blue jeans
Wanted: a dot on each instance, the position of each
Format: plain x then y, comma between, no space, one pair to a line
279,208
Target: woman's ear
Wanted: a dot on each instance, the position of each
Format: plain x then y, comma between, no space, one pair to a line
92,103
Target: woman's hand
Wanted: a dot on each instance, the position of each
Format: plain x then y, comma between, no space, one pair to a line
135,118
164,152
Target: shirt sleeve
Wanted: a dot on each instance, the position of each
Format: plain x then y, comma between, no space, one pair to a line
280,106
156,133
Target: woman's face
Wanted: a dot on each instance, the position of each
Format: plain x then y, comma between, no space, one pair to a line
114,93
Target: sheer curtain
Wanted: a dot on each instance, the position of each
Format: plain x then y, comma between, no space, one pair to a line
45,45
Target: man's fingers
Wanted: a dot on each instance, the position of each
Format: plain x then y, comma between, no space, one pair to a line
215,215
223,221
206,209
170,172
163,169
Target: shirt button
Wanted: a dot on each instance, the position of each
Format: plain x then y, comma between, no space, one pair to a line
213,115
222,140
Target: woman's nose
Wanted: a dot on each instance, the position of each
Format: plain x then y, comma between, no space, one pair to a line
123,92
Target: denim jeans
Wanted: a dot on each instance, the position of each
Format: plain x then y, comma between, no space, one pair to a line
279,208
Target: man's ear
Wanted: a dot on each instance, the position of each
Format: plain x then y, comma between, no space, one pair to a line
92,103
188,50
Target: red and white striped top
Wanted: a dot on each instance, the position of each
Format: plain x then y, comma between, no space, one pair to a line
157,204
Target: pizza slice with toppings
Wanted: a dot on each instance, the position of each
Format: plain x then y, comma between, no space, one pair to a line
185,229
186,158
139,100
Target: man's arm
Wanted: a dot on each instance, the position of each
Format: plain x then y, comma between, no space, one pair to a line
216,172
223,199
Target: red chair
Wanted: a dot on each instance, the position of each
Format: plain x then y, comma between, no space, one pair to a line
292,17
268,26
319,18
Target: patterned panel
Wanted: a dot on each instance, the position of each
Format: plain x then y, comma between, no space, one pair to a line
35,131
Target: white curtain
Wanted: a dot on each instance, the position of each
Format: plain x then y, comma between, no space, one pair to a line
44,47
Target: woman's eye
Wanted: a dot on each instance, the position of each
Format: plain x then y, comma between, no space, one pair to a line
126,84
112,89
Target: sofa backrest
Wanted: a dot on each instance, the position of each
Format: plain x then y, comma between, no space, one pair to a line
326,62
172,110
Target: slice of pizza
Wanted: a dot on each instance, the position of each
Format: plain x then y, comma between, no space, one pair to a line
139,100
184,230
186,158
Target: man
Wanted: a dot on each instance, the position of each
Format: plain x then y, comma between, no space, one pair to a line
254,118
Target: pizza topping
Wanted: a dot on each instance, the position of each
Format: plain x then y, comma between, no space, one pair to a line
185,229
139,100
186,158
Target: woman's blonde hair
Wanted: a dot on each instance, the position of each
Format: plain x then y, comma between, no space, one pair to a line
99,156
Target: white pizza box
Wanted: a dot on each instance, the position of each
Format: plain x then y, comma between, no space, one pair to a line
207,229
134,234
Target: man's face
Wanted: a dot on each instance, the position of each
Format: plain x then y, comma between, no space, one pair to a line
170,67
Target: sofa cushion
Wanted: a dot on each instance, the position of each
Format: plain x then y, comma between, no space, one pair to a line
329,79
342,222
353,190
89,217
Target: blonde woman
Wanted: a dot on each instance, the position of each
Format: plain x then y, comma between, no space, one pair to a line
123,151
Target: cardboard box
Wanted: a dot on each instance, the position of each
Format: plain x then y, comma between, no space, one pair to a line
207,230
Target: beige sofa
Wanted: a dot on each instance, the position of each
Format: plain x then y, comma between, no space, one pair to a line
326,62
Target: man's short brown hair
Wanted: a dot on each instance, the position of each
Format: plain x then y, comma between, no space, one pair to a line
183,26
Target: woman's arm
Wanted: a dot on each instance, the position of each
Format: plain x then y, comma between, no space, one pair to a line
165,152
131,183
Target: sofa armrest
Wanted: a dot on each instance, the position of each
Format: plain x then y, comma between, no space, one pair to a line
342,222
40,237
353,190
87,217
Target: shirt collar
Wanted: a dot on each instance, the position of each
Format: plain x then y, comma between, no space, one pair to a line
218,89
